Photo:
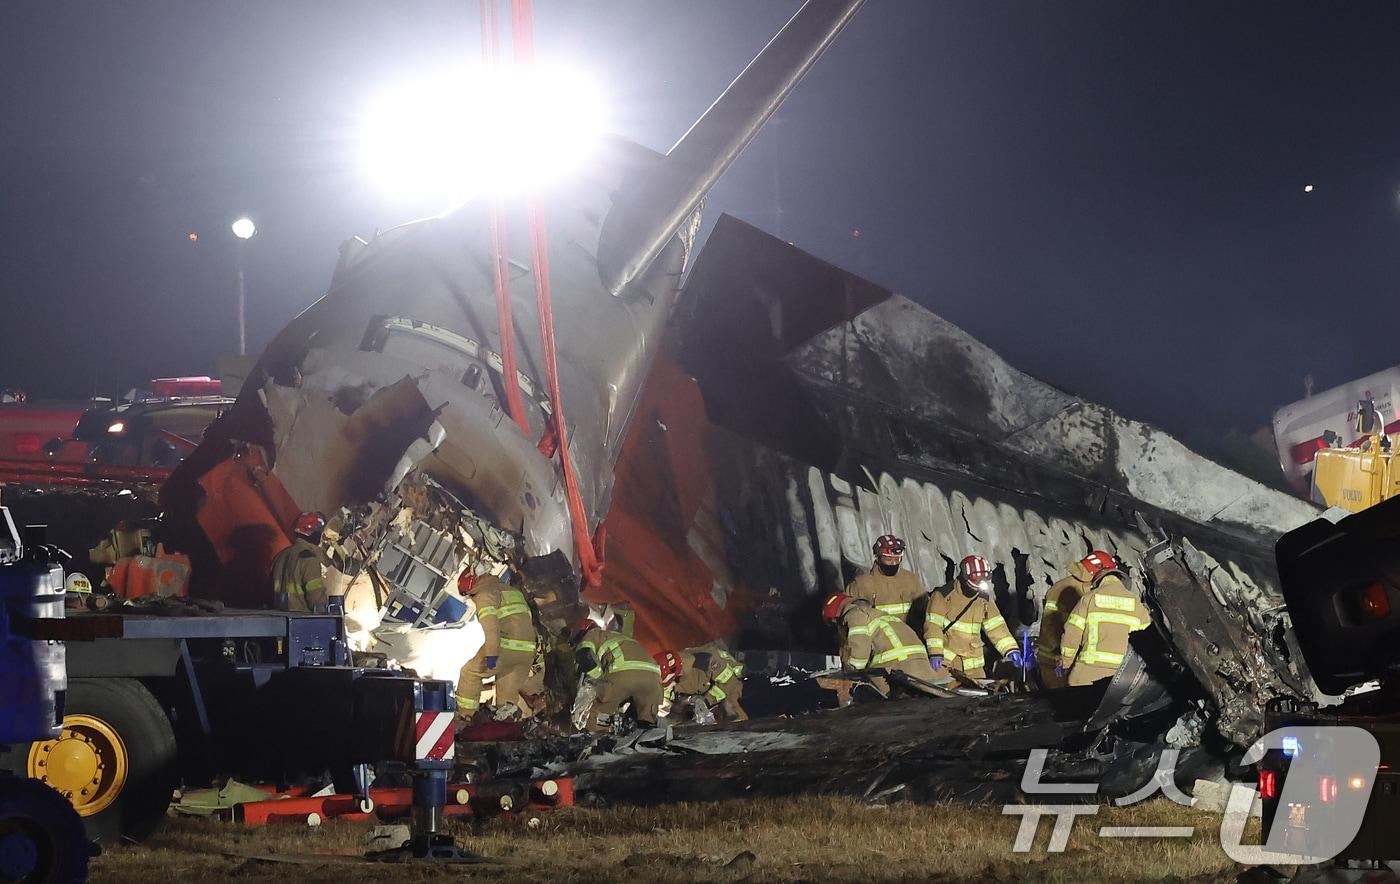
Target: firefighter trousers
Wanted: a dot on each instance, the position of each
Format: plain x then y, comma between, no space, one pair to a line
616,688
512,674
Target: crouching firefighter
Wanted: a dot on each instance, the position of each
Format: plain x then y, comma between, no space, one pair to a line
508,652
1096,631
708,675
299,571
957,619
624,672
874,640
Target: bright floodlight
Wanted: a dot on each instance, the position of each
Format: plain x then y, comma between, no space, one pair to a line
244,228
454,136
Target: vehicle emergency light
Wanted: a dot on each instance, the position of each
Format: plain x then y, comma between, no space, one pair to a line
1327,790
1268,784
1292,747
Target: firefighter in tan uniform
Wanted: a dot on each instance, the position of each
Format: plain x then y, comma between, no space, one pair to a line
874,640
710,672
624,672
1097,630
887,586
1060,599
509,649
299,571
959,617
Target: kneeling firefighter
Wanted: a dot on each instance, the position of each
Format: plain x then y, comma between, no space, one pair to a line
624,673
709,674
874,640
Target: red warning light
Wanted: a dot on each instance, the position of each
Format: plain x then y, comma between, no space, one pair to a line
193,237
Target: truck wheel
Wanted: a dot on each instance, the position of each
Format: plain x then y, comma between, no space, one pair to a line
115,760
41,836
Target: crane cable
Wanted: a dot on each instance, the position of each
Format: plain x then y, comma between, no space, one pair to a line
589,550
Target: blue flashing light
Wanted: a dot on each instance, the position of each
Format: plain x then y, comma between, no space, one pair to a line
1292,747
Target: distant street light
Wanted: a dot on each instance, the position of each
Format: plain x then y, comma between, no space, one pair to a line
243,228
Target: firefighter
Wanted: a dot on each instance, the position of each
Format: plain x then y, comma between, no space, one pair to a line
708,672
887,586
1060,599
1097,629
509,649
958,617
624,671
299,571
871,639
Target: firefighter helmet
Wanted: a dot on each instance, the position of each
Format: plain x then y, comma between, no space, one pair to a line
671,667
309,524
467,582
888,545
975,573
831,609
1098,562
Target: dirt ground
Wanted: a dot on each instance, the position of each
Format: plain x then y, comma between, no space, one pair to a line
810,839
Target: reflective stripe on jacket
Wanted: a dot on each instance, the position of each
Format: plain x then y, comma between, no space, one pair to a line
615,652
892,595
1097,630
955,624
504,615
1060,600
874,639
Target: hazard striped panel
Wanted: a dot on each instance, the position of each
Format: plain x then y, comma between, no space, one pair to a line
434,736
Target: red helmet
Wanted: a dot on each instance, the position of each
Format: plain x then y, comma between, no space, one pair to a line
671,667
466,582
309,524
974,571
831,608
1098,562
888,545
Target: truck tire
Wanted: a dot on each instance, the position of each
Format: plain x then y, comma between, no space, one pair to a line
115,761
41,836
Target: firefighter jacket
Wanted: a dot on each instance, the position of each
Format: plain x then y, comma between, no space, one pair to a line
710,671
1097,630
603,652
955,625
1060,600
299,578
875,640
890,595
505,617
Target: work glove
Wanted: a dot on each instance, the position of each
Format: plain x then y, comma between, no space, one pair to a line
1017,659
491,662
936,661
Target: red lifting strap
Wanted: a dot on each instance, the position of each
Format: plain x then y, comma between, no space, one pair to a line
500,268
590,557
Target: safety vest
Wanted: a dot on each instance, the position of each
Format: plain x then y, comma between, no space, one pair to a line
613,652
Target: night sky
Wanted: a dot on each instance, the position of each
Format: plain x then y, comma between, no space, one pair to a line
1110,194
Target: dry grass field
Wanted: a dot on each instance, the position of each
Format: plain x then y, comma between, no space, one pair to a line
809,839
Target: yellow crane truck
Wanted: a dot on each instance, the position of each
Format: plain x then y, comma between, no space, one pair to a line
1361,475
